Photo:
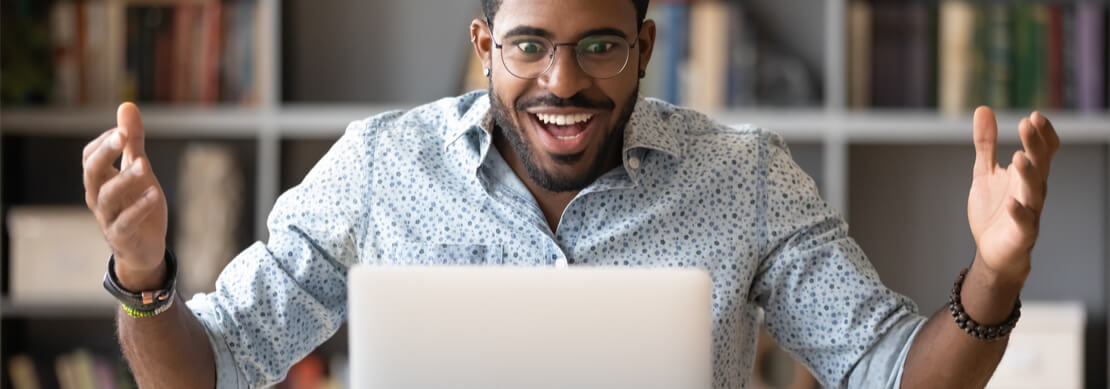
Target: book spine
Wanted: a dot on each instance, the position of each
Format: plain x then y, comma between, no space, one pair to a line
1090,55
213,36
1029,63
918,56
63,36
81,51
957,20
163,71
997,57
888,59
859,54
679,23
1054,57
741,61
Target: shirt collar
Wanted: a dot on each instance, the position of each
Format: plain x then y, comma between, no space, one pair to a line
654,125
472,114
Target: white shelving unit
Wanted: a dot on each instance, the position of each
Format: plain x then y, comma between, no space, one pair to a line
834,127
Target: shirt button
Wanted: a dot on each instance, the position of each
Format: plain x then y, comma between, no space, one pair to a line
634,163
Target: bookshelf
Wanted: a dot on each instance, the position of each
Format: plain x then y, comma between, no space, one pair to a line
880,167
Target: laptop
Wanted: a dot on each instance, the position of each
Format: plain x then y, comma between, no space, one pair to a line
520,327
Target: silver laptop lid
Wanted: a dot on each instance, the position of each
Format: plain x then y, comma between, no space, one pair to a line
504,327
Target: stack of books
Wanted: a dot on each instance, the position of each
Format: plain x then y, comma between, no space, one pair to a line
958,54
79,369
99,52
708,55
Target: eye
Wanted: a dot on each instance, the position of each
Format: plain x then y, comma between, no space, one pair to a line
598,47
529,47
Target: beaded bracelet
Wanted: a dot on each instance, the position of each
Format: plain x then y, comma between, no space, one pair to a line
973,327
140,314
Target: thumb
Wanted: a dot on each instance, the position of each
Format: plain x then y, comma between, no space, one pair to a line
131,124
986,138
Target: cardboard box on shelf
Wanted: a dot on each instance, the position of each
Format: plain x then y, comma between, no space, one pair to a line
58,256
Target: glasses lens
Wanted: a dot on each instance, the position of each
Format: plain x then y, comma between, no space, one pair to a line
602,56
526,56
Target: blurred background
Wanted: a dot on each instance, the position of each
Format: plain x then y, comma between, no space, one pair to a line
240,98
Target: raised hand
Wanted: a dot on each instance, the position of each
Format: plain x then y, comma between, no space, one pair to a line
1004,205
128,203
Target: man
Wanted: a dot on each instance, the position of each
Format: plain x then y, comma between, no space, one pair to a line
561,163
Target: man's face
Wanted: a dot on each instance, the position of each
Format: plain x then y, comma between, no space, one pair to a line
566,126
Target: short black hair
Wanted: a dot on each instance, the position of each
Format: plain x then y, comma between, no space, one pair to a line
489,9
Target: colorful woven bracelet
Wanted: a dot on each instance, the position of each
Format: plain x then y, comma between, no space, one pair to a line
139,314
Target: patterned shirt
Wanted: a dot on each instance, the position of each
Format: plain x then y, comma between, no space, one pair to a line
425,186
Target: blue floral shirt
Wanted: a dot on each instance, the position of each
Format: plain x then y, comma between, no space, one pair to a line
425,186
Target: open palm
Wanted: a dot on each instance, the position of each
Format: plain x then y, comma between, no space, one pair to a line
1004,204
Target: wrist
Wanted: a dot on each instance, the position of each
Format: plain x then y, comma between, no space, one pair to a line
989,296
138,279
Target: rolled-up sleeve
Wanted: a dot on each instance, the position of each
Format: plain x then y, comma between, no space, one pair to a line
823,299
277,301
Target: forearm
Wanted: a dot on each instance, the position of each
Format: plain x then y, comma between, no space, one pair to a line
943,355
170,350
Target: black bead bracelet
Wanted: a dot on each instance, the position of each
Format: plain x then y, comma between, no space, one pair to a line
974,328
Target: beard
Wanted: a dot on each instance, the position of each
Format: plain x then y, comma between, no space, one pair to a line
554,181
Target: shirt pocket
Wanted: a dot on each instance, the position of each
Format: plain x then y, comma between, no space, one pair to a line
405,253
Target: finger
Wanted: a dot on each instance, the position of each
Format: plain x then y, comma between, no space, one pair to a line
1024,218
1035,147
98,167
131,123
95,144
1047,132
1028,183
123,227
986,138
123,190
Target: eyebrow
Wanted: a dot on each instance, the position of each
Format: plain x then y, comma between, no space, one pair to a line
536,31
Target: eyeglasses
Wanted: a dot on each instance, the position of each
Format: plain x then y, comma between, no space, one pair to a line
600,56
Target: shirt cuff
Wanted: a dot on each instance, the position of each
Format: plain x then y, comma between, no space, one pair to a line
882,366
228,375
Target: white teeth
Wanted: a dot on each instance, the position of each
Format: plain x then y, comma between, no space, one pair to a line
564,120
568,137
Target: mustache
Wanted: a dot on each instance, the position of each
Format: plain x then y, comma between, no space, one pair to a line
577,101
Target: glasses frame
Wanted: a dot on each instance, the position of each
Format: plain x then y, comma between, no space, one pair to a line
551,56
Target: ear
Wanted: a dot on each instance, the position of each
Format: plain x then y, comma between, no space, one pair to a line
482,41
646,42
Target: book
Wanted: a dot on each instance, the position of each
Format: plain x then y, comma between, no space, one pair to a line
1069,89
901,55
674,59
1030,81
708,59
956,30
212,28
919,56
99,82
164,51
27,62
742,71
21,369
1090,56
184,22
1054,57
64,39
994,58
859,54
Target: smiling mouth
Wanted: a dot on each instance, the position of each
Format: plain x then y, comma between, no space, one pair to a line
564,127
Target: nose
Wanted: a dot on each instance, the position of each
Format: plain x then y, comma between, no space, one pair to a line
565,77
